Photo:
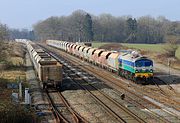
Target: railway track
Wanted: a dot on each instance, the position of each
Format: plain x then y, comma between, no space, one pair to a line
138,100
117,104
61,109
57,115
143,103
157,81
111,106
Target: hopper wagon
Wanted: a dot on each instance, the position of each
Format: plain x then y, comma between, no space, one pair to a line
48,69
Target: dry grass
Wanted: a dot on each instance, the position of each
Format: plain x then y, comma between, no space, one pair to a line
113,46
18,50
161,58
14,70
18,61
12,75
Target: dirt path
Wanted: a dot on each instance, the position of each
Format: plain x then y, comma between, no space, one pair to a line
165,69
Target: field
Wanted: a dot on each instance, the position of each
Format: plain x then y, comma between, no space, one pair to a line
157,48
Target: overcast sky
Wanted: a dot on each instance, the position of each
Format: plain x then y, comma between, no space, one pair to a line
24,13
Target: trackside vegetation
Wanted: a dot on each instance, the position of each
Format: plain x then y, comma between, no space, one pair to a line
11,68
15,113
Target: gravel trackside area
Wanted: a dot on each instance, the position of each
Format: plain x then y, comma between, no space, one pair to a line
84,104
170,76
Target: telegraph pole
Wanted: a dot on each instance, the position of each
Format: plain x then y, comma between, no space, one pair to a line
169,63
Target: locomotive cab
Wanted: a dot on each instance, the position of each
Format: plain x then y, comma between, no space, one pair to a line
144,68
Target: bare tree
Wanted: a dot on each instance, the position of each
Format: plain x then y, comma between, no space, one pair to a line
4,32
171,47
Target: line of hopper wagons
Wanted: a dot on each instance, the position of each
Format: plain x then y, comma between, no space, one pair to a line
128,64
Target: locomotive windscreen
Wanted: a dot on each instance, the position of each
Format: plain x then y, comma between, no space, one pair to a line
144,63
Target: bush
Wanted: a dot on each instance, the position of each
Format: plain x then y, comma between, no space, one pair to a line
10,113
170,50
3,82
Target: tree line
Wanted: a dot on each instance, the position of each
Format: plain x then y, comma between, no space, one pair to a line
7,33
82,26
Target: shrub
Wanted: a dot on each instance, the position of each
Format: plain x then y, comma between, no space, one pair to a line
11,113
170,50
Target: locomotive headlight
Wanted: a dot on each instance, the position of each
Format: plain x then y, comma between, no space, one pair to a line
151,70
143,68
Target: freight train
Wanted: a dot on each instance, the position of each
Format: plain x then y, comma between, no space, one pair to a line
48,69
128,64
